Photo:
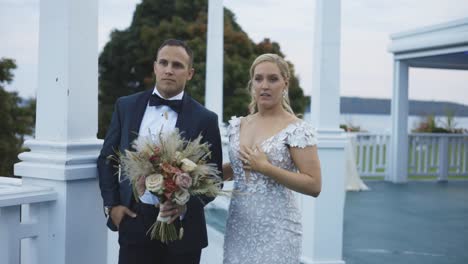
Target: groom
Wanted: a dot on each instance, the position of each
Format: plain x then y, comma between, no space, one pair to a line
165,108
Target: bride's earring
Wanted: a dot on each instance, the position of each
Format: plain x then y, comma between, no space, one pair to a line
285,94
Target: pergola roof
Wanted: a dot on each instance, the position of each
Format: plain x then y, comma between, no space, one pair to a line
443,46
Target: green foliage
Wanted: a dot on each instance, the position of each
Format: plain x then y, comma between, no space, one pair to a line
6,67
16,121
429,125
449,124
126,62
350,128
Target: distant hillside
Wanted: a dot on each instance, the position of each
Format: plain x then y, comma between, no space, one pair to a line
358,105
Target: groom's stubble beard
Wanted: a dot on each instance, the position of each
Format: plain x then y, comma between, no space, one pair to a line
168,91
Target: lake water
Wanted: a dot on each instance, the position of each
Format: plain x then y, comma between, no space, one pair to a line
382,123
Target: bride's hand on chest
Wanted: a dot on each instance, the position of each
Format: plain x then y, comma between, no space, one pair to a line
253,158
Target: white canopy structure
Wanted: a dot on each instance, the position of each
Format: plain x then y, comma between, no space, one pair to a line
442,46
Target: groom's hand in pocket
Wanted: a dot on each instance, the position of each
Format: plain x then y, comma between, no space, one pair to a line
118,212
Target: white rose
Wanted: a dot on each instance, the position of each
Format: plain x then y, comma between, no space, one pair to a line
181,197
155,183
188,165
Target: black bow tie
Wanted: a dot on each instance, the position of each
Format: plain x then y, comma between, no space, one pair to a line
175,105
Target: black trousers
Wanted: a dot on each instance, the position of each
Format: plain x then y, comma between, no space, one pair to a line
136,247
135,254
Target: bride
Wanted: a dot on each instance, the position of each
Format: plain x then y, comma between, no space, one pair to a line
272,153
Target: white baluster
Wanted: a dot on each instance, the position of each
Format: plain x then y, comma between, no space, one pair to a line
459,154
425,152
374,154
413,154
433,151
9,229
465,170
420,155
443,158
361,157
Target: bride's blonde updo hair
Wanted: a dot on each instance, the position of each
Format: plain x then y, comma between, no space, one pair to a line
284,70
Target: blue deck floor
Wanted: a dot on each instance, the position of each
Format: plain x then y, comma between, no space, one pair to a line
416,222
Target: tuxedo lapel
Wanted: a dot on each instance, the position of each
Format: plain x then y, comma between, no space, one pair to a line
184,119
137,115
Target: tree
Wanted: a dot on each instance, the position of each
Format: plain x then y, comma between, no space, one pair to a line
126,62
16,120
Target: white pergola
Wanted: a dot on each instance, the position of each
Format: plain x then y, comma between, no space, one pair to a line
65,148
443,46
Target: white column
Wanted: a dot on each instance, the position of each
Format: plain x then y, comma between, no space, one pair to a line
64,152
214,58
325,103
322,217
398,163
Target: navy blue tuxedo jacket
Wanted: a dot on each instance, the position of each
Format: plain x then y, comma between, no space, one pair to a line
193,120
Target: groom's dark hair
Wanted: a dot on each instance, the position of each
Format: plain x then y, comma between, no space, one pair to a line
177,43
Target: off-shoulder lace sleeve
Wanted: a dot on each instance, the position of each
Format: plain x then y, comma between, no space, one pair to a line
301,135
233,126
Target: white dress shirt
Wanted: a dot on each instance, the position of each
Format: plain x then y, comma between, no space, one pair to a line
155,120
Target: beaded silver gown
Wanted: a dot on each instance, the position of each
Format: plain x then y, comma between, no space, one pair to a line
264,221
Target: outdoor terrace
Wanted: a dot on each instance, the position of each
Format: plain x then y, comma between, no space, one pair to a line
416,222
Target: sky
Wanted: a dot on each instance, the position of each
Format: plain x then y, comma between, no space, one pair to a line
366,65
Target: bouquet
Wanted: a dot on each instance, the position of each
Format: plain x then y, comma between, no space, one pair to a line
174,169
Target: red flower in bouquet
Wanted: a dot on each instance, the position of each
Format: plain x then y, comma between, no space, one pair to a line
154,159
169,169
169,187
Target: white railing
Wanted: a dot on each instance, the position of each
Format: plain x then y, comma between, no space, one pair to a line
438,155
372,154
430,154
24,221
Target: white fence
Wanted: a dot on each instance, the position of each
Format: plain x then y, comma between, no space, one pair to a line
26,226
24,212
372,154
430,154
